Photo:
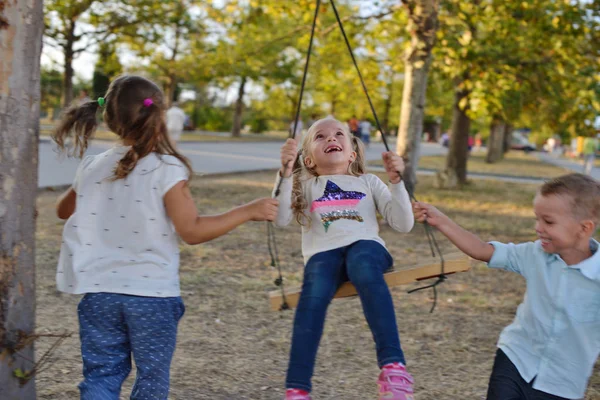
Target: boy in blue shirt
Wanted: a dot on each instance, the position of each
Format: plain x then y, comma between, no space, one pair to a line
549,350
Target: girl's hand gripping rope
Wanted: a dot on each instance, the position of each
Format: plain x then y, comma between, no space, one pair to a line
289,152
427,213
393,164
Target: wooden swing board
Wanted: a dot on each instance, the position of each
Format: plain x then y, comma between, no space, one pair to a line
425,269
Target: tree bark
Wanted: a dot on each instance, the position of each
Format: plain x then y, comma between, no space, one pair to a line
456,162
423,23
68,76
171,89
387,107
20,46
507,137
495,146
172,77
334,102
239,109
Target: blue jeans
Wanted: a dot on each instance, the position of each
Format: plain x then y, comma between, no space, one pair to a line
363,263
112,328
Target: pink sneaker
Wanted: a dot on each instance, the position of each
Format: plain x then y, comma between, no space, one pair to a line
296,394
395,383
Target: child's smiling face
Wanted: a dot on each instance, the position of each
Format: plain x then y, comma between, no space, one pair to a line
557,226
330,149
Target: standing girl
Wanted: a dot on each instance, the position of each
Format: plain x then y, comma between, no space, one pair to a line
336,203
125,210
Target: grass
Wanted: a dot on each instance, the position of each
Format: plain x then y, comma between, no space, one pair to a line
230,346
515,164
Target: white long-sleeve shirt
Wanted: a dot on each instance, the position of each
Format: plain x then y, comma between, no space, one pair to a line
343,209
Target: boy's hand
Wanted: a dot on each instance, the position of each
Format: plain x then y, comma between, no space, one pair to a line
426,212
263,209
289,152
393,164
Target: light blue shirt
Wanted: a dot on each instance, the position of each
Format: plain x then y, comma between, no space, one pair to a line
555,336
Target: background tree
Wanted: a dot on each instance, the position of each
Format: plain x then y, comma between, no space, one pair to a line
51,83
422,25
171,38
107,67
75,26
256,45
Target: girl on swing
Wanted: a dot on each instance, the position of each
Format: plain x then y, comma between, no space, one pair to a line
335,201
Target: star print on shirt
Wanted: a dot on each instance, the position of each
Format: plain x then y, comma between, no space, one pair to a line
336,204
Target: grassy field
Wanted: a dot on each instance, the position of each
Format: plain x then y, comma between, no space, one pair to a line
230,346
514,164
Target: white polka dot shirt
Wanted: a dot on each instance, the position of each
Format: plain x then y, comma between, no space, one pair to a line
120,239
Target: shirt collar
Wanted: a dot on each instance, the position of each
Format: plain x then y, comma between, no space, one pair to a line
590,267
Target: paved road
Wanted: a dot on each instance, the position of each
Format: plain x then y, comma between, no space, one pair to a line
572,165
224,157
206,157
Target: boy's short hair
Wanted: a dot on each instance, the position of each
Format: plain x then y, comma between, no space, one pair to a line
583,190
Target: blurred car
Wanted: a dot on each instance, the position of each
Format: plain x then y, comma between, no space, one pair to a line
520,142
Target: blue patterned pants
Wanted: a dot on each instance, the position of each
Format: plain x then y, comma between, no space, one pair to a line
113,327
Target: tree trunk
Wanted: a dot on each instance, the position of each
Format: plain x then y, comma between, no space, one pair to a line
333,105
171,90
172,77
495,146
456,162
387,107
423,23
507,137
68,74
239,109
20,46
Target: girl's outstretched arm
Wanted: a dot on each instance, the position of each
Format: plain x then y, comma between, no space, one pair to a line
65,205
467,242
195,229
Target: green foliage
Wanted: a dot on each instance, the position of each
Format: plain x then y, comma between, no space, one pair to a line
258,123
75,26
107,67
530,63
211,118
51,88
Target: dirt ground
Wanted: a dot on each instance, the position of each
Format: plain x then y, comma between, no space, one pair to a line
231,346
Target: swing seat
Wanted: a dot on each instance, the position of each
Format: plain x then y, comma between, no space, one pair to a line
424,269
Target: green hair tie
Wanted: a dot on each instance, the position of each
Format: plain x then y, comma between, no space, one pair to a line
101,101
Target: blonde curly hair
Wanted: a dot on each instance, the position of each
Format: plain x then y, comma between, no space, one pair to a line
302,173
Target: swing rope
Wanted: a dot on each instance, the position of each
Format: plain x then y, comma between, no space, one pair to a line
270,229
433,244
